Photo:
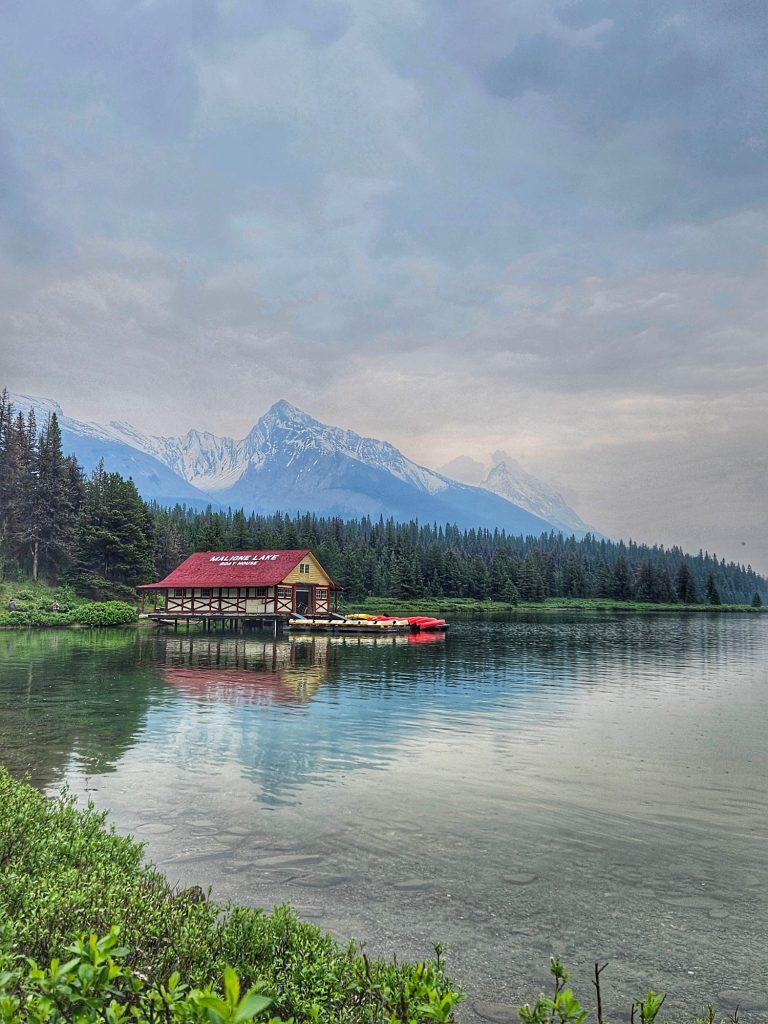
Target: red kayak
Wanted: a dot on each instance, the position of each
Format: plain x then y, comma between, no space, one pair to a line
418,623
427,622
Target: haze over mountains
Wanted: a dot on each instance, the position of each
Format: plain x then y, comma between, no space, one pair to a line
293,463
508,478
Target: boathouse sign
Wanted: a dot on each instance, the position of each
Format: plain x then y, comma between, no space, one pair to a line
243,559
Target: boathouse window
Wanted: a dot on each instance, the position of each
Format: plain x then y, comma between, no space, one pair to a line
286,593
178,592
304,568
205,592
257,592
321,594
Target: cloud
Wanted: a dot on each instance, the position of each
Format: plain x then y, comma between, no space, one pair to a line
535,227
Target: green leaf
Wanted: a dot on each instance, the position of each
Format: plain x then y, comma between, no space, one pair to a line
216,1008
231,986
251,1004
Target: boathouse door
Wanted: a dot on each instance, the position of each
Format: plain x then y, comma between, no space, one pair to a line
302,600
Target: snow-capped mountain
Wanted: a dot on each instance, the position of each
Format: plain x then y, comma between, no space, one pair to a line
123,449
293,463
511,481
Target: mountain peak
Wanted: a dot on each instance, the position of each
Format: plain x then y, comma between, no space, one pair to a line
283,410
42,406
510,480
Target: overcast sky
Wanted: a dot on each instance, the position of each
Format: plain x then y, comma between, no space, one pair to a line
458,225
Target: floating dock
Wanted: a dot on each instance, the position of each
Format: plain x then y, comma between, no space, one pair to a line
371,624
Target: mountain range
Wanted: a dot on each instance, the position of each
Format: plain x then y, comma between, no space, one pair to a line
293,463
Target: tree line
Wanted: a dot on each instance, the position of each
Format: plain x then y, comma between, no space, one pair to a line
411,560
96,533
93,532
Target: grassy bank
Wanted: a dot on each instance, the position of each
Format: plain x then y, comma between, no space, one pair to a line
459,605
63,872
26,592
34,607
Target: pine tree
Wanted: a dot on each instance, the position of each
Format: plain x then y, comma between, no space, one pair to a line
52,498
169,547
115,535
713,594
645,581
685,585
622,582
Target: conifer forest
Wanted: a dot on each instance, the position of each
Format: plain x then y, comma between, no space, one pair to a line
95,533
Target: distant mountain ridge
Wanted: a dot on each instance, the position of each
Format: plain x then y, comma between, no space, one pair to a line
511,481
289,462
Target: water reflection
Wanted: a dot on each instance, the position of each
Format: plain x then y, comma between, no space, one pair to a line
244,701
71,695
590,787
247,670
260,670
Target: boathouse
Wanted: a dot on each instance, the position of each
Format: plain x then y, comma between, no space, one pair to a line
243,585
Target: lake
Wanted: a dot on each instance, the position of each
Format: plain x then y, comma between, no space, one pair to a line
590,787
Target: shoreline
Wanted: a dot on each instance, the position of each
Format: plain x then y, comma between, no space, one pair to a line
458,605
67,873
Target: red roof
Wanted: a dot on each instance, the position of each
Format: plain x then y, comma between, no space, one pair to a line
233,569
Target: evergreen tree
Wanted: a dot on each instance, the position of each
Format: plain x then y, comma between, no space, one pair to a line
115,538
622,583
52,501
685,585
665,592
713,594
169,547
604,580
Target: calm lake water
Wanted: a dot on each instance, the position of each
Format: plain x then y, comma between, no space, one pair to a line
594,788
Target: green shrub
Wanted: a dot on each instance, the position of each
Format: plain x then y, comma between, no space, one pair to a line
107,613
95,613
93,985
63,873
564,1008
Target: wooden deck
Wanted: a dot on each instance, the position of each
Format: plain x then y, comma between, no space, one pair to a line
213,622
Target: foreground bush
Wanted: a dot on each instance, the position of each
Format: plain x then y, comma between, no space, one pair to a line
94,985
66,878
564,1008
95,613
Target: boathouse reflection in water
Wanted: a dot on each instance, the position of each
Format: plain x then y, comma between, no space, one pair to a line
261,670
